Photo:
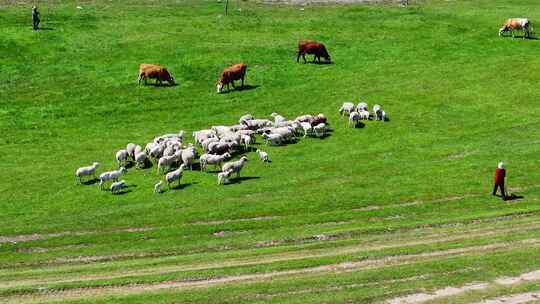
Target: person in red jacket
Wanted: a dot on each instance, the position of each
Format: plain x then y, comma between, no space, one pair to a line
500,174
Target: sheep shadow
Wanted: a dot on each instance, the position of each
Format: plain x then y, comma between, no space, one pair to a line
123,191
239,180
181,186
90,181
359,125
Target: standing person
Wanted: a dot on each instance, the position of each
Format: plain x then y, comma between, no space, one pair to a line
35,18
500,174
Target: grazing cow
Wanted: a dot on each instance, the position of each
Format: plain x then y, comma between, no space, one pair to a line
230,74
154,71
513,24
312,47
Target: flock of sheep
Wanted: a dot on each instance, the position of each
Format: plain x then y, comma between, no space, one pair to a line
171,156
361,112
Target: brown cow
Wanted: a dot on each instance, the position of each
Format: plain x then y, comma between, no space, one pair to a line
154,71
312,47
513,24
230,74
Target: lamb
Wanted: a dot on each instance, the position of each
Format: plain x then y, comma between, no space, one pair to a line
320,130
116,186
235,166
263,155
157,187
121,157
212,159
378,112
140,159
346,108
354,117
110,176
175,175
223,177
86,171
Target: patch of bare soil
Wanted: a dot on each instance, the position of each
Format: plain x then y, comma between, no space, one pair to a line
519,298
304,2
38,236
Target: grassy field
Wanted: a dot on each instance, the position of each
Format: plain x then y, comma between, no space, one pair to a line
364,215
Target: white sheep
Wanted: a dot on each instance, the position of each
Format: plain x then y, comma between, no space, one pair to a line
130,148
168,161
140,159
86,171
188,155
175,175
320,130
255,124
304,118
364,115
207,142
236,166
354,117
116,186
223,177
137,150
263,156
121,157
245,140
362,106
378,112
212,159
346,108
219,147
278,119
245,118
273,138
157,187
110,176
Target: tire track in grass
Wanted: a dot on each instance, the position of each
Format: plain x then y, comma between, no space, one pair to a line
38,236
446,292
77,293
519,298
279,257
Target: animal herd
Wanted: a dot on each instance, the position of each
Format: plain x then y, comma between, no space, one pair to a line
170,154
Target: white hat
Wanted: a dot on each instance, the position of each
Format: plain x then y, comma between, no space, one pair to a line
501,165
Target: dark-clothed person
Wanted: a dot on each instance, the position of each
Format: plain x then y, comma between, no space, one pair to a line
500,174
35,18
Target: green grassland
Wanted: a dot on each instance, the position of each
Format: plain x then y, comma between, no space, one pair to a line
363,215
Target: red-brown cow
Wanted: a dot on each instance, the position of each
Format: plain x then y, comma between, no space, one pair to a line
154,71
312,47
230,74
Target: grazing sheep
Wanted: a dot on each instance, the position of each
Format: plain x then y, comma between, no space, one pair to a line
130,148
140,159
175,175
156,151
307,128
188,155
255,124
304,118
110,176
168,161
319,130
157,187
346,108
320,118
201,135
212,159
121,157
116,186
223,177
263,156
273,139
362,106
86,171
245,140
354,117
137,150
235,166
219,147
364,114
278,119
378,112
245,118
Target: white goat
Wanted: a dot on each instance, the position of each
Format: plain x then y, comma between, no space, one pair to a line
86,171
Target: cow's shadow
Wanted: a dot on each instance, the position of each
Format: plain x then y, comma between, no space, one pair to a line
157,85
245,87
